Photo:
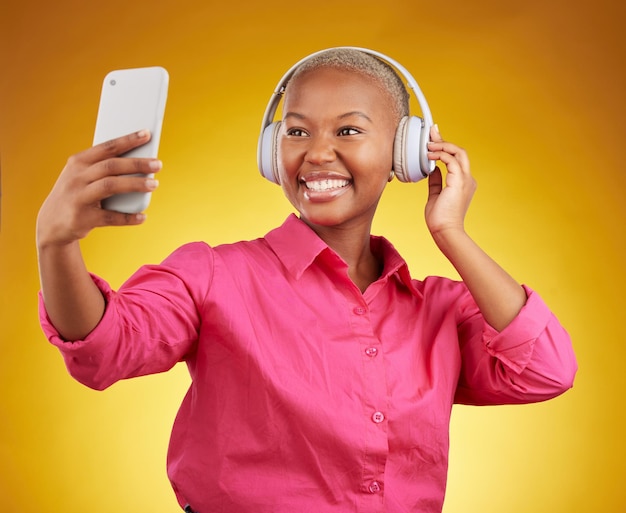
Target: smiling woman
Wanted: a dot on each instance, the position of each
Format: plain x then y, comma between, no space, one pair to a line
337,126
335,390
532,90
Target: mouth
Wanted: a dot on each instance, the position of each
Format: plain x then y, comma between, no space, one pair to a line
323,187
328,184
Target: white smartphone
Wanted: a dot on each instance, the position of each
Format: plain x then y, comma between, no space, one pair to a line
132,100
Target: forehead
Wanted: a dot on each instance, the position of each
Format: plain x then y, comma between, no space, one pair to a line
335,86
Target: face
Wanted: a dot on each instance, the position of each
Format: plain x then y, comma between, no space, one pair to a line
335,148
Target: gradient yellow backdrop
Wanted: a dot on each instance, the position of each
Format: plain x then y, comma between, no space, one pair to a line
534,90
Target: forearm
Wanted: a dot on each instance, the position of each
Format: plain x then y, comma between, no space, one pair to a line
73,208
498,296
73,302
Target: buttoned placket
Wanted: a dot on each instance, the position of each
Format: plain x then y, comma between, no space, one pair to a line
374,406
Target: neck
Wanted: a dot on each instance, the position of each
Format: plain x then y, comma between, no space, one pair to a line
353,246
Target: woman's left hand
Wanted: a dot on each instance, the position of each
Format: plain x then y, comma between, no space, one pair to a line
447,205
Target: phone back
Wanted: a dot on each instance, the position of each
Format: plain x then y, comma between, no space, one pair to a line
132,100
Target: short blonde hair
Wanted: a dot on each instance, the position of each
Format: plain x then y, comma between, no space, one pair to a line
366,64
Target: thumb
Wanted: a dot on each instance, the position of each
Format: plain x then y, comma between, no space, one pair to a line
435,183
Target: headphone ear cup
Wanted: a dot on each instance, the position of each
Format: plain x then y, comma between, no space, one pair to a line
409,150
398,150
269,152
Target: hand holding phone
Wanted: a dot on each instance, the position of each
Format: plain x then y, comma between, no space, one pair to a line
132,100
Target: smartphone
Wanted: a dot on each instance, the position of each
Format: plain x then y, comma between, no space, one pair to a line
131,100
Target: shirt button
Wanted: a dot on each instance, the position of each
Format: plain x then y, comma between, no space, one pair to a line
378,417
374,487
371,351
359,310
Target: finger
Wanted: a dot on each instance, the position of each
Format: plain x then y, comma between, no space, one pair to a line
437,143
111,185
121,145
445,151
434,134
452,164
112,218
457,174
114,147
448,147
123,166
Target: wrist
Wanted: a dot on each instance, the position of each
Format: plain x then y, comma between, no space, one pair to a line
45,243
48,235
448,237
52,250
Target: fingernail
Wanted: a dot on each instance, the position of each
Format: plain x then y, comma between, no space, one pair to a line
436,127
143,133
156,165
152,183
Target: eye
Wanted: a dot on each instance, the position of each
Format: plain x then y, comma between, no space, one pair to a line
296,132
349,131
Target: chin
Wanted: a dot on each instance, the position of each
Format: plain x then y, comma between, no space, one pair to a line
329,220
328,215
321,219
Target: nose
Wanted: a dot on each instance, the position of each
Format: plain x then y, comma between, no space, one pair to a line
320,150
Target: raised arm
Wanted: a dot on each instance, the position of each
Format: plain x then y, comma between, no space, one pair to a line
497,294
72,209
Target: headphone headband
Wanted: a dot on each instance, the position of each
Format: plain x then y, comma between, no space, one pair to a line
266,154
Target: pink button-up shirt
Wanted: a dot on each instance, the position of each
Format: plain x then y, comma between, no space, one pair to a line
306,394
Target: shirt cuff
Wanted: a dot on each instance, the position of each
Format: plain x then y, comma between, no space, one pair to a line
68,346
514,345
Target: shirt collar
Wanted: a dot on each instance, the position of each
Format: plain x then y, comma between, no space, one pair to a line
297,246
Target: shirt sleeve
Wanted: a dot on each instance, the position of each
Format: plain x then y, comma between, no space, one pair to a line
149,325
531,360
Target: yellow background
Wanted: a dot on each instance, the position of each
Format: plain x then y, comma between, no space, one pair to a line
534,90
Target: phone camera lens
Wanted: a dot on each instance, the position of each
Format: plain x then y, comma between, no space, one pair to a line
112,82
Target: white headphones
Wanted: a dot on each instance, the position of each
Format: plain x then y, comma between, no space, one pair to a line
410,153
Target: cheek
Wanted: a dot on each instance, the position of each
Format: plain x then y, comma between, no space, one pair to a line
387,151
286,161
288,167
377,153
373,157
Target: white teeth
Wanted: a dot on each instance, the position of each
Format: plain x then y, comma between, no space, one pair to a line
326,185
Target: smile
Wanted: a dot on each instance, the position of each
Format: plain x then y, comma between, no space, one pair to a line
326,185
323,187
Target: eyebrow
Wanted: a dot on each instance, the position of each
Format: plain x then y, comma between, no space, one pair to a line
358,113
